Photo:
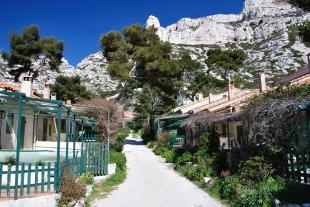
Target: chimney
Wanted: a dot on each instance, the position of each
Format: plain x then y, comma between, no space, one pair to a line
199,96
231,90
46,92
210,97
262,81
26,85
53,96
68,102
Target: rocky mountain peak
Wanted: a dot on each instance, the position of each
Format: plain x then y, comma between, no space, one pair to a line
153,21
260,8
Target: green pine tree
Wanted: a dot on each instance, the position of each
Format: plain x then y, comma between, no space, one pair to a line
28,47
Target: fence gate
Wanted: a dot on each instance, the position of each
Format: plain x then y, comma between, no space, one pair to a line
298,166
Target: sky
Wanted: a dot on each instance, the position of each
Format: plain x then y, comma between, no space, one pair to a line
80,23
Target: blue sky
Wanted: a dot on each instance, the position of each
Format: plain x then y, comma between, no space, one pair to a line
80,23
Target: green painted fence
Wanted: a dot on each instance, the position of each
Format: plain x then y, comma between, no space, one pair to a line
175,139
90,137
298,166
40,177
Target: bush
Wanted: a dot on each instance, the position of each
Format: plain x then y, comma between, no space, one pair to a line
161,150
71,189
255,170
199,171
10,160
118,158
87,178
184,158
262,194
170,156
118,146
229,187
210,142
163,138
151,144
125,131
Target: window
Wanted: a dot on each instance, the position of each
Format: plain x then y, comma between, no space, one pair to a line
9,123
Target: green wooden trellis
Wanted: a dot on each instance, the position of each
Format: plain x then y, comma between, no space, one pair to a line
49,108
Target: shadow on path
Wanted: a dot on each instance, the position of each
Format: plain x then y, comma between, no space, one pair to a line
133,142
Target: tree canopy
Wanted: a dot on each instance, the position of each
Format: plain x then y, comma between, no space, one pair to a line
225,62
304,32
28,47
138,57
303,4
70,88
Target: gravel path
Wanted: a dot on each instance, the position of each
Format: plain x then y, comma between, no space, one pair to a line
150,183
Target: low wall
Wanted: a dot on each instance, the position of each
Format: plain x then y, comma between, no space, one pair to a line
40,201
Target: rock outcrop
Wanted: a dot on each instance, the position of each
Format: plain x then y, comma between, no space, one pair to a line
93,73
91,69
263,29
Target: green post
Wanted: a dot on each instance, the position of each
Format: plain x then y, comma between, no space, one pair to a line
82,150
19,128
67,133
57,166
74,134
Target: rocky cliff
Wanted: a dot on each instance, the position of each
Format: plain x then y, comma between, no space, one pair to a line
92,70
263,29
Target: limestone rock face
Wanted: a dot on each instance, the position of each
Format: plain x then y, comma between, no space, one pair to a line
93,73
43,74
263,30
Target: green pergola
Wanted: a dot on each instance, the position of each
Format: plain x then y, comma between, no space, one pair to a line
23,105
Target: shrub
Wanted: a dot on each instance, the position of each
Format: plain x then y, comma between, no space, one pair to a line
262,194
87,178
255,170
10,160
71,189
161,150
199,171
125,131
210,142
199,155
151,144
184,158
118,158
118,146
229,187
170,156
184,170
163,138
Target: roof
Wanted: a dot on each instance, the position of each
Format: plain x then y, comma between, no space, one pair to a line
297,77
240,97
179,116
12,87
